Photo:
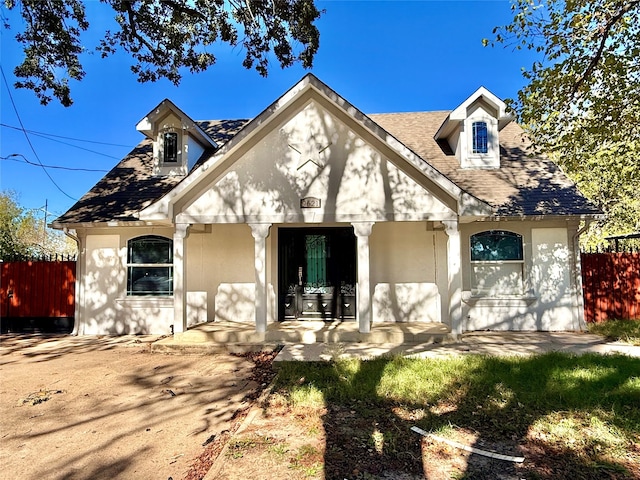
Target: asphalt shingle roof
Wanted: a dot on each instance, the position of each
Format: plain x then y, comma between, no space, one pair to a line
523,185
131,186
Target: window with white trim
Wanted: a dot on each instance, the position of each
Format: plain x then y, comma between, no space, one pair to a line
497,263
170,147
480,139
150,266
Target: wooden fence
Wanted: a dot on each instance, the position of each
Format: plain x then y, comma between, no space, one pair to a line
611,285
38,295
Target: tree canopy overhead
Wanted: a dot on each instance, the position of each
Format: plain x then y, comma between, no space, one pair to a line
162,37
582,101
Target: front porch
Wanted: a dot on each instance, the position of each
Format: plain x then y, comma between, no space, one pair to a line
240,337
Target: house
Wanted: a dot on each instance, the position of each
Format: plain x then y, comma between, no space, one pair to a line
314,210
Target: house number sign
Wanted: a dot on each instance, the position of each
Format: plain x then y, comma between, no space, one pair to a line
310,202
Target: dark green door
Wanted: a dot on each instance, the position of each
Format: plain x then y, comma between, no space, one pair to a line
317,273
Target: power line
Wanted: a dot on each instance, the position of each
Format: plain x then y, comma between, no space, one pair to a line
74,146
45,134
29,162
15,109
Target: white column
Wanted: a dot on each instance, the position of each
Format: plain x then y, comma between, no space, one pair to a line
180,278
363,292
260,232
454,274
81,267
577,298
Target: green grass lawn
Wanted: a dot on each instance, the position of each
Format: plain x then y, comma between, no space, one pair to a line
627,331
580,410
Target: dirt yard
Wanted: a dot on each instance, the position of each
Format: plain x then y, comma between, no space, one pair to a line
107,408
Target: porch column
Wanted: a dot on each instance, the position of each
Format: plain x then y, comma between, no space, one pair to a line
363,292
179,277
454,274
260,232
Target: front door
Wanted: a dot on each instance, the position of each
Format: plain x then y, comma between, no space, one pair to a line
317,273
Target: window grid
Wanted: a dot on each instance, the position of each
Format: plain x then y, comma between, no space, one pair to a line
497,263
170,146
480,137
150,266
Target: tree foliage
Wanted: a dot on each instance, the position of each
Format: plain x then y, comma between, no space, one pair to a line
162,37
24,234
582,101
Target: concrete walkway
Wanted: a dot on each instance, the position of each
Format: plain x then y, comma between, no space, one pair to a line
485,343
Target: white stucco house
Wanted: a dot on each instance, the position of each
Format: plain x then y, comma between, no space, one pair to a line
315,210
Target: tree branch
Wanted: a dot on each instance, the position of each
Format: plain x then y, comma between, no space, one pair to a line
595,59
183,8
134,31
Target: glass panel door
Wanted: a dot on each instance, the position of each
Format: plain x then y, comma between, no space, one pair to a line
316,269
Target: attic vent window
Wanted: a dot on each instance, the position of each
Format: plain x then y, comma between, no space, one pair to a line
480,137
170,141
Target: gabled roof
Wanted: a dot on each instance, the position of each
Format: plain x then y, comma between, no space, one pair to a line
131,185
522,186
148,124
460,113
310,87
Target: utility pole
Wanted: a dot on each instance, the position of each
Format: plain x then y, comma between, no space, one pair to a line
44,226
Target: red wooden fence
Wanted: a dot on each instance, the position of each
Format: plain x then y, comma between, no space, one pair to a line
611,286
38,289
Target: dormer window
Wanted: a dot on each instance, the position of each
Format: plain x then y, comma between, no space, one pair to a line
170,147
472,130
178,141
480,138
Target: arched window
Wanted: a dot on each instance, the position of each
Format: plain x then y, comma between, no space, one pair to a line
150,266
480,137
496,245
497,262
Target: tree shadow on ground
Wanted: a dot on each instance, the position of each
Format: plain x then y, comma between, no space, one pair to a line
518,406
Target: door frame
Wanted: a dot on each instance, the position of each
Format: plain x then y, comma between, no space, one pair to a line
300,302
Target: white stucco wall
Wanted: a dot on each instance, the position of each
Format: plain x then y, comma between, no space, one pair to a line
547,302
313,155
408,279
550,278
220,263
403,273
194,151
105,308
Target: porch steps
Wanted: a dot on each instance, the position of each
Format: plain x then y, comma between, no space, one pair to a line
241,337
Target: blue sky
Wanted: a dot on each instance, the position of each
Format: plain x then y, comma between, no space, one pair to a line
382,56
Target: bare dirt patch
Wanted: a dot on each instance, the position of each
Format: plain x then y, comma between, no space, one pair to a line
103,410
74,408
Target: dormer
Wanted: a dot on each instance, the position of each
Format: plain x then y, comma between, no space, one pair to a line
472,130
178,141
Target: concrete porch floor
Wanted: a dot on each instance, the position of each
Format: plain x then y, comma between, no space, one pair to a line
314,341
242,337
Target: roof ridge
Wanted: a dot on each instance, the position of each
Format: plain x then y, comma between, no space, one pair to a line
411,112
